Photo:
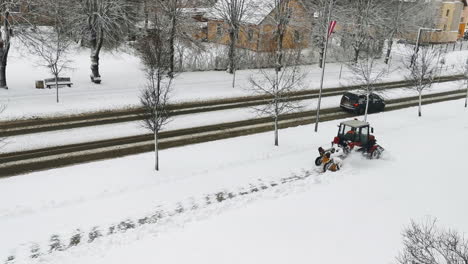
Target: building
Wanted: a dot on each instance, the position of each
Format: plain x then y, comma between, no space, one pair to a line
257,31
463,20
450,19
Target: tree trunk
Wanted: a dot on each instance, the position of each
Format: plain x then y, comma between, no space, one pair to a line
420,103
156,150
95,76
233,79
280,51
145,7
56,88
4,49
232,52
356,55
389,50
466,98
367,107
96,45
172,40
3,82
276,130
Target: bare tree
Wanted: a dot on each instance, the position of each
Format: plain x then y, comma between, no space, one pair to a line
282,14
361,26
179,23
426,243
454,247
366,74
5,41
52,44
286,76
154,53
10,24
278,85
401,18
318,11
422,71
102,24
465,75
233,13
420,244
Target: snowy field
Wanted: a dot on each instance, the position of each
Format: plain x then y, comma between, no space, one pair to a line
353,216
123,79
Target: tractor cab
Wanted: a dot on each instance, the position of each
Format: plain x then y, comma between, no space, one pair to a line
355,131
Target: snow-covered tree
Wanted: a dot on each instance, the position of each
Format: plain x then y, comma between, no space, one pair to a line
279,85
403,18
318,11
232,12
361,26
366,74
463,66
11,25
102,24
281,19
52,44
466,82
153,50
179,26
427,243
422,69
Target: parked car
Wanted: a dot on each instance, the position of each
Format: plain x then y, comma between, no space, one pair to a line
356,102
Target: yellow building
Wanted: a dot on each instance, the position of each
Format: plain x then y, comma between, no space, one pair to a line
464,20
448,20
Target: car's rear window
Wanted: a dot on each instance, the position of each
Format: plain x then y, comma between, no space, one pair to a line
349,98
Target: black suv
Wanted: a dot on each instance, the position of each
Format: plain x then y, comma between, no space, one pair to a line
356,102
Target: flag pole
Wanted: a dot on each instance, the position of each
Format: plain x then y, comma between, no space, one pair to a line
331,26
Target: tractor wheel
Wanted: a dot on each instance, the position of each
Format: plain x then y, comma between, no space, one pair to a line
375,154
318,161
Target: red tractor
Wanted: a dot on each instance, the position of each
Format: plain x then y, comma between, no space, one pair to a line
353,135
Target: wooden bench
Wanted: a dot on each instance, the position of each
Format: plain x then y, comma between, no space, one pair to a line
62,81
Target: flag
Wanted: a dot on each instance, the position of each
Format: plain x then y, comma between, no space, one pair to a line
331,27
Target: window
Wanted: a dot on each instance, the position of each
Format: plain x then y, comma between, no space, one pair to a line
364,135
448,12
461,20
219,30
297,36
250,34
445,27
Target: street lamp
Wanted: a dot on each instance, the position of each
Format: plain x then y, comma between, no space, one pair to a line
416,48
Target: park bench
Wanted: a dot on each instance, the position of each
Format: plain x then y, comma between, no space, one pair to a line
62,81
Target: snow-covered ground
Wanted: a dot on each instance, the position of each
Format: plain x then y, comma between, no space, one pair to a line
352,216
123,79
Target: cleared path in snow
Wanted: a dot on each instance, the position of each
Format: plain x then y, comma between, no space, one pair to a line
36,125
20,162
